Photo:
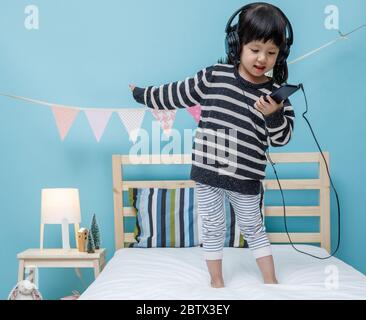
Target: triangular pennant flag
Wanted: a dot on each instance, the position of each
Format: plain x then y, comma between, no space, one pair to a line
166,118
98,120
195,111
64,118
132,120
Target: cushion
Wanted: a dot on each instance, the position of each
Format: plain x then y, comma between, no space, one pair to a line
168,218
165,217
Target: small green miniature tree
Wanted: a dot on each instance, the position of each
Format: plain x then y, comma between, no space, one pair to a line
90,246
94,229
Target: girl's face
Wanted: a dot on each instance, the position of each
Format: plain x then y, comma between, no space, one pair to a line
257,58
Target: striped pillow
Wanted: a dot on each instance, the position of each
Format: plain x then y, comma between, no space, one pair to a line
168,218
165,217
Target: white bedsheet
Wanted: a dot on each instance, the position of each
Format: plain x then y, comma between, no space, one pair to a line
181,273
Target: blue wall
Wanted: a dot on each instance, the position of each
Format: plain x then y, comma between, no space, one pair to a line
85,53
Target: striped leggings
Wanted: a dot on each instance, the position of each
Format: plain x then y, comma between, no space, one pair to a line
247,210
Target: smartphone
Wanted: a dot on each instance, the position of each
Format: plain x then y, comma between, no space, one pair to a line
283,92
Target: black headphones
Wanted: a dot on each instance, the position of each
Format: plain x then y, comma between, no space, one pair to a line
232,40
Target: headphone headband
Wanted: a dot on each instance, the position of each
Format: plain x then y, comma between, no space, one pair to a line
232,37
228,27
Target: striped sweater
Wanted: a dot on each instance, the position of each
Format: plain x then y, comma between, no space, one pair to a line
232,136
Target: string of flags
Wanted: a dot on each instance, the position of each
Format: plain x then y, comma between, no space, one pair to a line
98,119
132,118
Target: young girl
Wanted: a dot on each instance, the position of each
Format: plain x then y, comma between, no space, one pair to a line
235,129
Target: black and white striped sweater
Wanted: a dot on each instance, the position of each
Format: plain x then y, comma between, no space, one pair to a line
232,136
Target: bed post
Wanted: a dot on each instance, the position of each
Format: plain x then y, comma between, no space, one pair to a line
324,202
118,202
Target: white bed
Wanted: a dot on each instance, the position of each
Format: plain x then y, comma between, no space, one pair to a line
181,273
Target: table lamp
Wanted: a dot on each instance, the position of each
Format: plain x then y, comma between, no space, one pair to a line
60,206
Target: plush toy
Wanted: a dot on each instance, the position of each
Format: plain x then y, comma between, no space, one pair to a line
25,290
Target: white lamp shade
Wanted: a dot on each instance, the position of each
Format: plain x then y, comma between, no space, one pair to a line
59,205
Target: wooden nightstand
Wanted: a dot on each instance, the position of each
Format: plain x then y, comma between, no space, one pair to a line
60,258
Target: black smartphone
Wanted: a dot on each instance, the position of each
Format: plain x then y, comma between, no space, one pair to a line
283,92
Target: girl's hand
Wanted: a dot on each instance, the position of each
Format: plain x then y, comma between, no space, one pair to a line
132,86
267,108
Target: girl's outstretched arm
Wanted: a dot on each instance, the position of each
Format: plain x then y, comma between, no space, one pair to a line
179,94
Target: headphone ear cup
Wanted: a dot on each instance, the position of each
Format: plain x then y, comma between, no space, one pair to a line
227,44
237,45
232,45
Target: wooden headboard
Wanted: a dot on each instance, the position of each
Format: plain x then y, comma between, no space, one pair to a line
321,183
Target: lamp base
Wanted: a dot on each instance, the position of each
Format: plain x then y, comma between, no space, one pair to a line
65,235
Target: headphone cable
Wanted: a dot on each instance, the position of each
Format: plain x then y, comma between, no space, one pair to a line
335,191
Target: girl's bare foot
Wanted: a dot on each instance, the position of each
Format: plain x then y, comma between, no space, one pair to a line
217,284
270,281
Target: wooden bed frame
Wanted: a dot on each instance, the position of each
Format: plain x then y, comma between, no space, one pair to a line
321,184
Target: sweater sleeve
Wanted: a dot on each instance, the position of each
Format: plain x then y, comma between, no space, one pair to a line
179,94
280,125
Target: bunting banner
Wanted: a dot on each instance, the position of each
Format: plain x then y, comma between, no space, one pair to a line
98,120
132,118
195,112
166,119
64,118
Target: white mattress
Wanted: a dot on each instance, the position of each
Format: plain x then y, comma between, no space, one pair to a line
181,273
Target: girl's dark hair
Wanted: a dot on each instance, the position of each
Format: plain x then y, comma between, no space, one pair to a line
263,22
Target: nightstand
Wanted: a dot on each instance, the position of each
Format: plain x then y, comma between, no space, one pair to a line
60,258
